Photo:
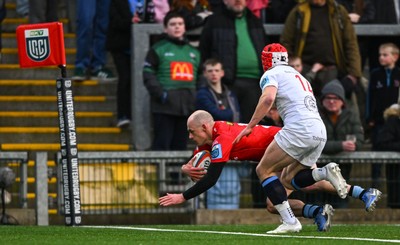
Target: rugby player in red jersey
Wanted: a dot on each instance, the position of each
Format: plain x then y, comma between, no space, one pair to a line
217,137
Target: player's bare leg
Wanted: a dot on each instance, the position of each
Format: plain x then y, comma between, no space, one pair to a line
273,162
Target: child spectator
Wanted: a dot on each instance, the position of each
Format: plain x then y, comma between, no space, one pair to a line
295,62
215,97
170,74
383,91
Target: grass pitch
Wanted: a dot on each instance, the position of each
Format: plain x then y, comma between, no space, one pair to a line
197,234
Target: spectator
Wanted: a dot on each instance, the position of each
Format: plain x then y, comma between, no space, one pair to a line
122,15
222,104
43,11
319,31
296,63
236,37
383,91
92,24
215,97
389,140
170,74
194,12
344,130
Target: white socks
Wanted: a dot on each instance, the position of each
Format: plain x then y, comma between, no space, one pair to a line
319,174
286,212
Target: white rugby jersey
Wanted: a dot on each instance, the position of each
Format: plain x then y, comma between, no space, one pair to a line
295,100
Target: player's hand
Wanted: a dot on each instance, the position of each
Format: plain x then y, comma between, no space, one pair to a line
194,173
171,199
245,132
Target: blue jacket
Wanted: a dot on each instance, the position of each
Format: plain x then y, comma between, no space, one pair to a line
383,91
207,100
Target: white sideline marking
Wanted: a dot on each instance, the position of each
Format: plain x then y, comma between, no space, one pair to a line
242,233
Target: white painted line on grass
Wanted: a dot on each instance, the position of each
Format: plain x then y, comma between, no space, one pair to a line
243,233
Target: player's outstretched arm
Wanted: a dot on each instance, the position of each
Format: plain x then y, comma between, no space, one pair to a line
205,183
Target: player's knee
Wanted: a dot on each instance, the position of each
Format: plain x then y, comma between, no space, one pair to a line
262,172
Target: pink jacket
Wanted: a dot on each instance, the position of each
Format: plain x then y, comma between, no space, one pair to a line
161,9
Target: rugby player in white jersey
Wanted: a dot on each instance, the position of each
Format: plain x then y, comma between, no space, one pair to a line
300,142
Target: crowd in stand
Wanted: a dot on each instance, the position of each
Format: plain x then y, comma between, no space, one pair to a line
318,35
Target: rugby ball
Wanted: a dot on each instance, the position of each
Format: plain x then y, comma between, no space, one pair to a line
202,159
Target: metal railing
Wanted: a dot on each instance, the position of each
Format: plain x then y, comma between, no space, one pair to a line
128,182
131,182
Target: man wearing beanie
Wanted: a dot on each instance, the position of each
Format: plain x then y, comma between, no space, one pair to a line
340,122
334,87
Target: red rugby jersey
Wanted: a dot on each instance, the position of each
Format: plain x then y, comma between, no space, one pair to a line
249,148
